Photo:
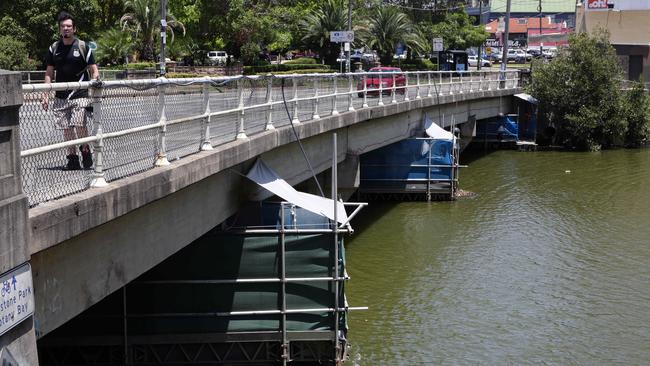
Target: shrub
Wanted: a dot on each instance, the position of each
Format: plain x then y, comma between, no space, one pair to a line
250,53
419,65
142,65
301,61
287,68
580,93
14,55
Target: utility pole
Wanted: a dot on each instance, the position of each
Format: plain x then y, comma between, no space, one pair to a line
347,62
163,35
541,44
480,23
504,58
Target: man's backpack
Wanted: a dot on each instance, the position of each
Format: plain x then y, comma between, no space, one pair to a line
82,48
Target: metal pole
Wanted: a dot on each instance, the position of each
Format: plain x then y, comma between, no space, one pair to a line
335,224
163,35
98,180
347,62
504,56
126,343
480,22
161,159
541,47
285,344
206,144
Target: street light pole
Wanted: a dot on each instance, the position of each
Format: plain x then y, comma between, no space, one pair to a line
347,62
541,45
163,35
504,58
480,23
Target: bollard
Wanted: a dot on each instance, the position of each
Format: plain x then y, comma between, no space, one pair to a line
98,180
206,144
161,158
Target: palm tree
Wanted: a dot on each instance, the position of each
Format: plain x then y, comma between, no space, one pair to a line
332,15
388,26
113,46
143,21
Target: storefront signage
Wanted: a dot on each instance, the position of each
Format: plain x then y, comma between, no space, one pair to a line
16,297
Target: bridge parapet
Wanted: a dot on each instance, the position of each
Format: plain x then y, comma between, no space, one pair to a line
138,125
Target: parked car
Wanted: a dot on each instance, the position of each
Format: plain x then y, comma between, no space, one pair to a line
384,80
473,61
518,56
217,57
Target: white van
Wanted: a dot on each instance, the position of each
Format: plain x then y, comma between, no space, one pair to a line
217,57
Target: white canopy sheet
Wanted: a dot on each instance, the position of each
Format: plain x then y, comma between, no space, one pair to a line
435,131
527,97
265,177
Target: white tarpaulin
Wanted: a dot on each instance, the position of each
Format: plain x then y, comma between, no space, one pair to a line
265,177
435,131
527,97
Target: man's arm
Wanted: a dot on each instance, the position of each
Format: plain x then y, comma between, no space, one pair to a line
94,71
49,74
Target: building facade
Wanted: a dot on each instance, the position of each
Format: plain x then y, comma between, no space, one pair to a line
629,29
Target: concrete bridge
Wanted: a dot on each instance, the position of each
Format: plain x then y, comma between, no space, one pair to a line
169,155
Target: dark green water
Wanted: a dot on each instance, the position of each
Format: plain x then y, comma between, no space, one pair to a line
548,264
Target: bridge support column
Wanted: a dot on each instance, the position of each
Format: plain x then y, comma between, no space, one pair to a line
17,335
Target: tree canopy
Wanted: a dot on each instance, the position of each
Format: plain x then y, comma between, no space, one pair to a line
267,25
581,95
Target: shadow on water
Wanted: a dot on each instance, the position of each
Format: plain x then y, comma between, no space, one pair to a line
371,214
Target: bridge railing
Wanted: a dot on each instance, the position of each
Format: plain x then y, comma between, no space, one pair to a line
137,125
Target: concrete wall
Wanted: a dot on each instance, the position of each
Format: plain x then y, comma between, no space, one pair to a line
20,341
88,245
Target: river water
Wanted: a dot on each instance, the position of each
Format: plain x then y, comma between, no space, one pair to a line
548,264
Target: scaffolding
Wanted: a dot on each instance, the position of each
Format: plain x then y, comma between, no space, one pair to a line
265,288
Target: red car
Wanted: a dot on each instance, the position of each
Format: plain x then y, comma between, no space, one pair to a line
384,79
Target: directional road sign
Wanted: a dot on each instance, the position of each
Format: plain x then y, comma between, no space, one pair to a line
342,36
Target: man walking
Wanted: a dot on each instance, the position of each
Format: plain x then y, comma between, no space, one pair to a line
72,61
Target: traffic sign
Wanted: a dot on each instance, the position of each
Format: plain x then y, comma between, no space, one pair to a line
438,45
342,36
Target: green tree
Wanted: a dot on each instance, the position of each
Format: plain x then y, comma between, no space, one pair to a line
332,15
13,56
580,93
113,47
143,22
636,104
458,32
387,27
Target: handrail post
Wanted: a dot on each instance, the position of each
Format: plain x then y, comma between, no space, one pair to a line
350,91
206,144
460,86
451,82
417,88
428,84
241,132
393,91
161,158
471,79
365,90
381,90
489,81
98,180
335,110
295,120
269,103
406,88
439,83
315,115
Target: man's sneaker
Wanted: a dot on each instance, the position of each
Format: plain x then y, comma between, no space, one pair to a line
73,163
86,156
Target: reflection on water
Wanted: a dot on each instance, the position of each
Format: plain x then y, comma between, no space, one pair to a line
548,264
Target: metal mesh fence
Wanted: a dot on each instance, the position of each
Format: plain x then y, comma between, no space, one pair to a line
124,124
